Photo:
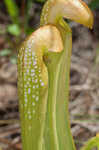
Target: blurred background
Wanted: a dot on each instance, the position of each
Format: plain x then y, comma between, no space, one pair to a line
18,19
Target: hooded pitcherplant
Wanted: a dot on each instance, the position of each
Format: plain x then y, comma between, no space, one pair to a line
43,77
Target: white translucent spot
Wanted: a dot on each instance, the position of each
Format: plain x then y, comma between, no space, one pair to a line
25,95
32,74
33,96
29,91
33,54
33,86
28,112
25,54
25,105
25,58
30,117
42,84
35,67
32,41
32,70
33,111
29,79
32,80
37,98
33,104
27,70
26,100
34,63
36,80
29,48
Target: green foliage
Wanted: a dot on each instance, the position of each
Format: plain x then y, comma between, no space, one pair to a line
13,59
5,52
8,52
94,4
29,30
12,10
41,1
27,14
14,29
91,143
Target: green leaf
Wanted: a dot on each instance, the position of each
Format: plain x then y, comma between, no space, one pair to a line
5,52
29,31
12,10
13,59
94,4
91,143
57,134
14,29
42,1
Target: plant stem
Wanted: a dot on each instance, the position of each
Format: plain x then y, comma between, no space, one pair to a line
91,143
57,127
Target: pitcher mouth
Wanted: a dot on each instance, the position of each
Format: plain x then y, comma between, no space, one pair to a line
75,10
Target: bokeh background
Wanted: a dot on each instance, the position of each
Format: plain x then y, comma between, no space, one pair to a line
18,19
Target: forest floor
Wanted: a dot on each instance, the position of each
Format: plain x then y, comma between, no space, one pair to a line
84,88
